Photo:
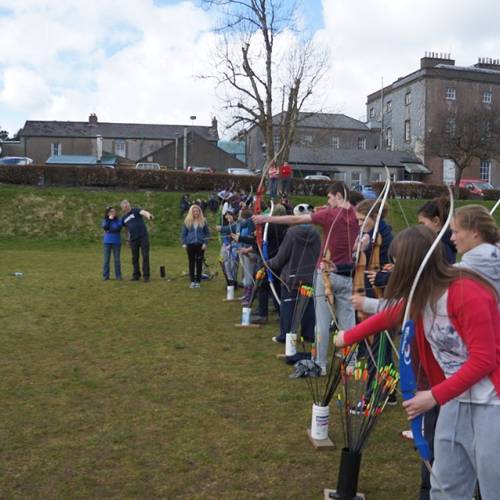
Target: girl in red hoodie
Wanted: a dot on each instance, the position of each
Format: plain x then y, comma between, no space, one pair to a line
457,346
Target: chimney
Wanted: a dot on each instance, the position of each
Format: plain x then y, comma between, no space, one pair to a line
432,59
93,119
487,63
214,125
98,140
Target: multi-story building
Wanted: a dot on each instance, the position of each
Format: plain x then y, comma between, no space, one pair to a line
315,132
409,109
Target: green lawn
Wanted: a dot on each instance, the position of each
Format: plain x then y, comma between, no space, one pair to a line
134,390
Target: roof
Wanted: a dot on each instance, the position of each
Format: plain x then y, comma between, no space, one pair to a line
33,128
81,160
325,120
351,157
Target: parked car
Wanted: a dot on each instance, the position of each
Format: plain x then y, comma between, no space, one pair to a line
475,186
317,178
239,171
16,160
147,166
367,191
200,170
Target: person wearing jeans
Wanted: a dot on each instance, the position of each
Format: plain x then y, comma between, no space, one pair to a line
112,242
138,239
340,229
194,239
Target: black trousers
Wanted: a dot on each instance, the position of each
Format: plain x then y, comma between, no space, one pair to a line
307,323
195,256
140,246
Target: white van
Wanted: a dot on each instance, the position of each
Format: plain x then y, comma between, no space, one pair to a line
147,166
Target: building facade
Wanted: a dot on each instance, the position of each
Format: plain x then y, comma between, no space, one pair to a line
315,132
129,141
409,109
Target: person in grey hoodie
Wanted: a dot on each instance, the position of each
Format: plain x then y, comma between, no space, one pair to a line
476,237
297,257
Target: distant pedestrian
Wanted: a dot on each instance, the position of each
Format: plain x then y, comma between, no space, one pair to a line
138,238
273,174
112,226
286,174
194,238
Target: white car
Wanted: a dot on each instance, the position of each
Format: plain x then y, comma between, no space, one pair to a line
16,160
317,178
147,166
239,171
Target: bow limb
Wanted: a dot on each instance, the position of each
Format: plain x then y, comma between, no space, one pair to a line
265,257
495,206
408,380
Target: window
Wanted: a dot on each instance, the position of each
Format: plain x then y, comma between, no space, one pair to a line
120,147
361,142
372,113
388,136
407,131
355,179
451,126
485,170
336,142
55,149
451,93
340,176
449,171
487,97
392,177
388,106
306,140
276,142
407,98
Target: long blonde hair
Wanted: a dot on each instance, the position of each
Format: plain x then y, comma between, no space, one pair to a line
189,221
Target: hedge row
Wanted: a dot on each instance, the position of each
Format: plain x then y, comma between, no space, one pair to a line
428,191
121,178
178,180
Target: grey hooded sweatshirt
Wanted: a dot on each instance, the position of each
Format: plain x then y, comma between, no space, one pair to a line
485,260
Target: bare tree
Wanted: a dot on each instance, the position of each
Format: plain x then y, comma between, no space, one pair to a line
263,68
466,136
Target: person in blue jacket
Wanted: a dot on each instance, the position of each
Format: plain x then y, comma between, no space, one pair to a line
194,238
112,241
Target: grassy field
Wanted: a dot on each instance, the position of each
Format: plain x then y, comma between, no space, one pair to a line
134,390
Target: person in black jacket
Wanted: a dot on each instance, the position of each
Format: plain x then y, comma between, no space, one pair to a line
137,237
297,257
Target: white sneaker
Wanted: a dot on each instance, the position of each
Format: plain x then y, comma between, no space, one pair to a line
192,285
197,285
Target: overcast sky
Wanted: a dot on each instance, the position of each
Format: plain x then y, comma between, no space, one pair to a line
138,60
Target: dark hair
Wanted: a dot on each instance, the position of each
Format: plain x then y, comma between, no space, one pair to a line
477,218
246,213
339,187
355,197
108,209
437,207
408,249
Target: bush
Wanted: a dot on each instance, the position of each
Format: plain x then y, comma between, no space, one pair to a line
130,178
415,190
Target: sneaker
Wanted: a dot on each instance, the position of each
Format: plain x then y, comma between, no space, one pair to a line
259,320
278,340
197,284
192,285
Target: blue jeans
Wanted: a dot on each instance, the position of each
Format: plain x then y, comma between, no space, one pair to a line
342,291
108,248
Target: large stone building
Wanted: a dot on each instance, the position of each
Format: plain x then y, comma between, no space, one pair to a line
315,131
409,109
